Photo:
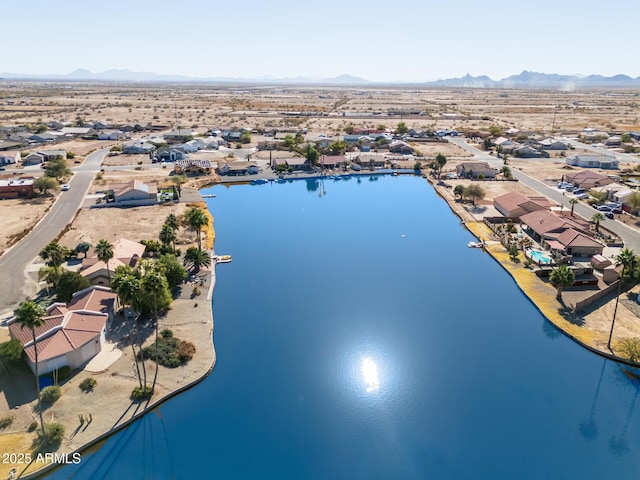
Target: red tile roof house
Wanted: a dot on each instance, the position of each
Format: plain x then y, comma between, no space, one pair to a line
514,204
564,234
125,252
586,179
72,333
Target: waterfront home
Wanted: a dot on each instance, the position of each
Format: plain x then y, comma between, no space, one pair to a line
586,179
125,252
194,166
134,194
475,170
298,163
239,168
567,235
371,161
72,334
514,204
593,161
331,161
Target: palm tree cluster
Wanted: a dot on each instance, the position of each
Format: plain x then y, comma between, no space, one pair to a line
195,218
169,232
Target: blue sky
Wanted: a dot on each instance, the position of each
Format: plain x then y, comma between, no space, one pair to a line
383,41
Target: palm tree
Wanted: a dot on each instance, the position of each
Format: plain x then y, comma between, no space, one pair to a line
596,219
561,277
196,219
104,252
153,283
128,289
627,258
172,221
441,161
573,202
195,258
168,236
54,254
31,315
51,275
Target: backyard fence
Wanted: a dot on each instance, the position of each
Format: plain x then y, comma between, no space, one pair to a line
579,306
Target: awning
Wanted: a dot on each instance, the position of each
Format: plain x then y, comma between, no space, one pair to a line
555,245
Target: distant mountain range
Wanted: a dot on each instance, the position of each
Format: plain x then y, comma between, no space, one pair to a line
525,79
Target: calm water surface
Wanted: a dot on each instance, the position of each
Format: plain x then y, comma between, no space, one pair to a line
359,338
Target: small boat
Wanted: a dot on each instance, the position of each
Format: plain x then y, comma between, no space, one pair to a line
223,258
475,244
208,195
395,174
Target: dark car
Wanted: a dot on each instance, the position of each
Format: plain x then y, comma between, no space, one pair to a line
609,215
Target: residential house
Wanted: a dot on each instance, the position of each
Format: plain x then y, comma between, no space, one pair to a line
371,161
568,235
170,154
506,145
17,188
475,170
231,135
194,166
635,135
44,137
134,194
552,144
112,135
137,147
514,204
8,158
593,161
41,156
239,168
586,179
4,146
270,145
322,141
613,141
181,135
398,146
72,334
298,163
78,131
331,161
527,151
365,144
125,252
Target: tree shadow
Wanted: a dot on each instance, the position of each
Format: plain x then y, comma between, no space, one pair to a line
576,318
550,330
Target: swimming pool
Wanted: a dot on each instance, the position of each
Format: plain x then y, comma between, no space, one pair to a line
539,257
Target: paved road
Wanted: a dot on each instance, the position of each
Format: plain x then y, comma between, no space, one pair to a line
630,236
15,286
621,157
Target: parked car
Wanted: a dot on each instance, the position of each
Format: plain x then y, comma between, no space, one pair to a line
609,215
579,190
603,208
65,187
582,196
570,189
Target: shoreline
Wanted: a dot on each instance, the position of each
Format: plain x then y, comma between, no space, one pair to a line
152,404
545,303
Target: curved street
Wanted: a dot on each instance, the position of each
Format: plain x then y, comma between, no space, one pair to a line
15,285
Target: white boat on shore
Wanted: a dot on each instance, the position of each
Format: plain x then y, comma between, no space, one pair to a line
208,195
476,244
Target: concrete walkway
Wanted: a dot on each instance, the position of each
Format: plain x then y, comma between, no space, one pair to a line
109,355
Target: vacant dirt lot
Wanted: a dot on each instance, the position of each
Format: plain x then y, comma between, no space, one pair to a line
19,217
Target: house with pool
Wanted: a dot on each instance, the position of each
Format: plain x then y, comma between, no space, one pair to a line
563,236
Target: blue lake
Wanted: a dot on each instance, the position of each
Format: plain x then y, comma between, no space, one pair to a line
358,337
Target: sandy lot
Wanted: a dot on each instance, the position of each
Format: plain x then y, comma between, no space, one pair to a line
19,217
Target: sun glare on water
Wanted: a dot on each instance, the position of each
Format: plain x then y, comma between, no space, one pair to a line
370,374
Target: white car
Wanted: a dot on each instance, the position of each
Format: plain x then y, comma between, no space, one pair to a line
65,187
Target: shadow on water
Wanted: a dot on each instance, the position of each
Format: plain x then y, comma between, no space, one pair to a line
589,428
550,330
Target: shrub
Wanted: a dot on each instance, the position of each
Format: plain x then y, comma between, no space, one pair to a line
6,421
630,347
50,394
88,384
186,351
32,426
11,351
166,333
53,436
140,393
172,352
196,291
